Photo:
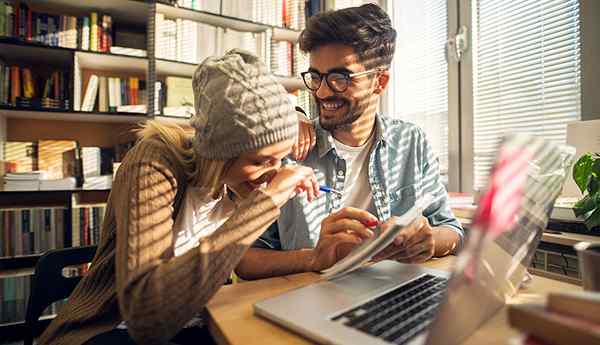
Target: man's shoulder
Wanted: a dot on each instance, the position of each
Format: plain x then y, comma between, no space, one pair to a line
400,131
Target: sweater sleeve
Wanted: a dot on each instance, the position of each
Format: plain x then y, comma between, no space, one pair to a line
158,292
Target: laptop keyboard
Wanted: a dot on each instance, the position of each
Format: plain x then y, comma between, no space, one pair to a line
401,314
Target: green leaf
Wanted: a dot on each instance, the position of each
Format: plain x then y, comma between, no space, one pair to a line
582,171
596,167
593,185
593,220
585,205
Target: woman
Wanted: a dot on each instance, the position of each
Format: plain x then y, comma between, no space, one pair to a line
172,233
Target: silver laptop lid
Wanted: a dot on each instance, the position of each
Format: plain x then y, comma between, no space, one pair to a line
513,213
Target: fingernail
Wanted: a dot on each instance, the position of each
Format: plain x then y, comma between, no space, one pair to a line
371,233
371,223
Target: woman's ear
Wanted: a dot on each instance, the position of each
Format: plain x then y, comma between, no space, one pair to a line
382,81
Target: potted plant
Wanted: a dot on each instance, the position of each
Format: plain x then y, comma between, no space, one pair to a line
586,174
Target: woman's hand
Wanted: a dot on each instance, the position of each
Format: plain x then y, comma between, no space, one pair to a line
290,181
306,140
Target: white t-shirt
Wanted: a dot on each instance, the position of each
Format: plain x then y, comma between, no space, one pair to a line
357,189
199,216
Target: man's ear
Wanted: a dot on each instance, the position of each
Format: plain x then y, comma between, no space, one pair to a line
382,81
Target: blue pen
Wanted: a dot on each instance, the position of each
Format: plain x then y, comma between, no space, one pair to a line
327,189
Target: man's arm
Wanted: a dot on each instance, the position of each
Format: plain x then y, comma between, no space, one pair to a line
259,263
340,232
446,240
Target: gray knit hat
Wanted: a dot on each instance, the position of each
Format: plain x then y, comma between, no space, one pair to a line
240,107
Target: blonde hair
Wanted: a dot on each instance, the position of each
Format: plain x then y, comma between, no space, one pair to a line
199,171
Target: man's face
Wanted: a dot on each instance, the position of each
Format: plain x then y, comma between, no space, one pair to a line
339,110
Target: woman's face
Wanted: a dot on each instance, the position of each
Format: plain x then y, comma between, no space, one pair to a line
252,169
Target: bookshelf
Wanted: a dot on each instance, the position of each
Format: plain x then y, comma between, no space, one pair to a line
133,26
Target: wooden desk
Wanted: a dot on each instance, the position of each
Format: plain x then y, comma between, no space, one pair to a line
231,319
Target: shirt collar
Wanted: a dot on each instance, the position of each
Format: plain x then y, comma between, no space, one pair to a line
325,139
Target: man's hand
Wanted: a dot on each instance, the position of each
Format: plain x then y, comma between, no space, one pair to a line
306,140
414,244
341,231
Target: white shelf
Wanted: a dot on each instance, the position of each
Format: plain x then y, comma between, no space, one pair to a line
211,18
184,122
73,116
176,68
282,34
167,67
111,62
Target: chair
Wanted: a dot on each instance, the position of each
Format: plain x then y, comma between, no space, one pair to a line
49,285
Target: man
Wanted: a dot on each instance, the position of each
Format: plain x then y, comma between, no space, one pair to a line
382,165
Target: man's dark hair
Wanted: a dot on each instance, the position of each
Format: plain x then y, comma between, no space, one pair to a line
367,29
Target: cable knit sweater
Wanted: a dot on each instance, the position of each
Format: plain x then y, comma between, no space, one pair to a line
135,276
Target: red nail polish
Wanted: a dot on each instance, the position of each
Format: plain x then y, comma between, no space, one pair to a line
370,223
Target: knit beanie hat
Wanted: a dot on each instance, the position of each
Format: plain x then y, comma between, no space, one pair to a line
240,107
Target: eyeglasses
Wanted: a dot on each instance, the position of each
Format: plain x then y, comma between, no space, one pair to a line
337,81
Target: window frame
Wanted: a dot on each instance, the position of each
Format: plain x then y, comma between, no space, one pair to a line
460,86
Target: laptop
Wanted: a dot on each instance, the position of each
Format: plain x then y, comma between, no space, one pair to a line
394,303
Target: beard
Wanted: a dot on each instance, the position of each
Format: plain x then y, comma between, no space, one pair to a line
341,118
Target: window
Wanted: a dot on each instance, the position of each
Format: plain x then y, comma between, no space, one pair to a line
339,4
526,73
419,83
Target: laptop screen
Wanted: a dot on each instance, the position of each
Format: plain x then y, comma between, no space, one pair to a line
527,177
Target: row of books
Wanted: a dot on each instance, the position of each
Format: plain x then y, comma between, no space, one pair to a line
36,181
282,13
21,87
87,225
14,294
174,96
110,94
191,42
93,32
59,164
26,231
31,231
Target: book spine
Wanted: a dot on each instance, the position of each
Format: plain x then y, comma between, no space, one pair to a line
94,29
85,34
15,81
28,88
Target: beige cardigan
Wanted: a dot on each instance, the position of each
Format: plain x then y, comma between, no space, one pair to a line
135,275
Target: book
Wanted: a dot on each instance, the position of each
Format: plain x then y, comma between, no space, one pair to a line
585,305
50,156
90,94
372,246
138,109
15,82
94,31
23,153
179,92
103,94
128,51
59,184
552,327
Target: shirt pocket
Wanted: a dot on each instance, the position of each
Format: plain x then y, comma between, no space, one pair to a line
402,199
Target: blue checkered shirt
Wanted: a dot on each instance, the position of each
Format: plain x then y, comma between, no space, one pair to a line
402,167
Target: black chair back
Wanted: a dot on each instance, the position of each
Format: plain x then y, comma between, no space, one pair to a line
49,285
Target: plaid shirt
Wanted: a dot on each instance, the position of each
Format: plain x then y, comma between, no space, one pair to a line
402,167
